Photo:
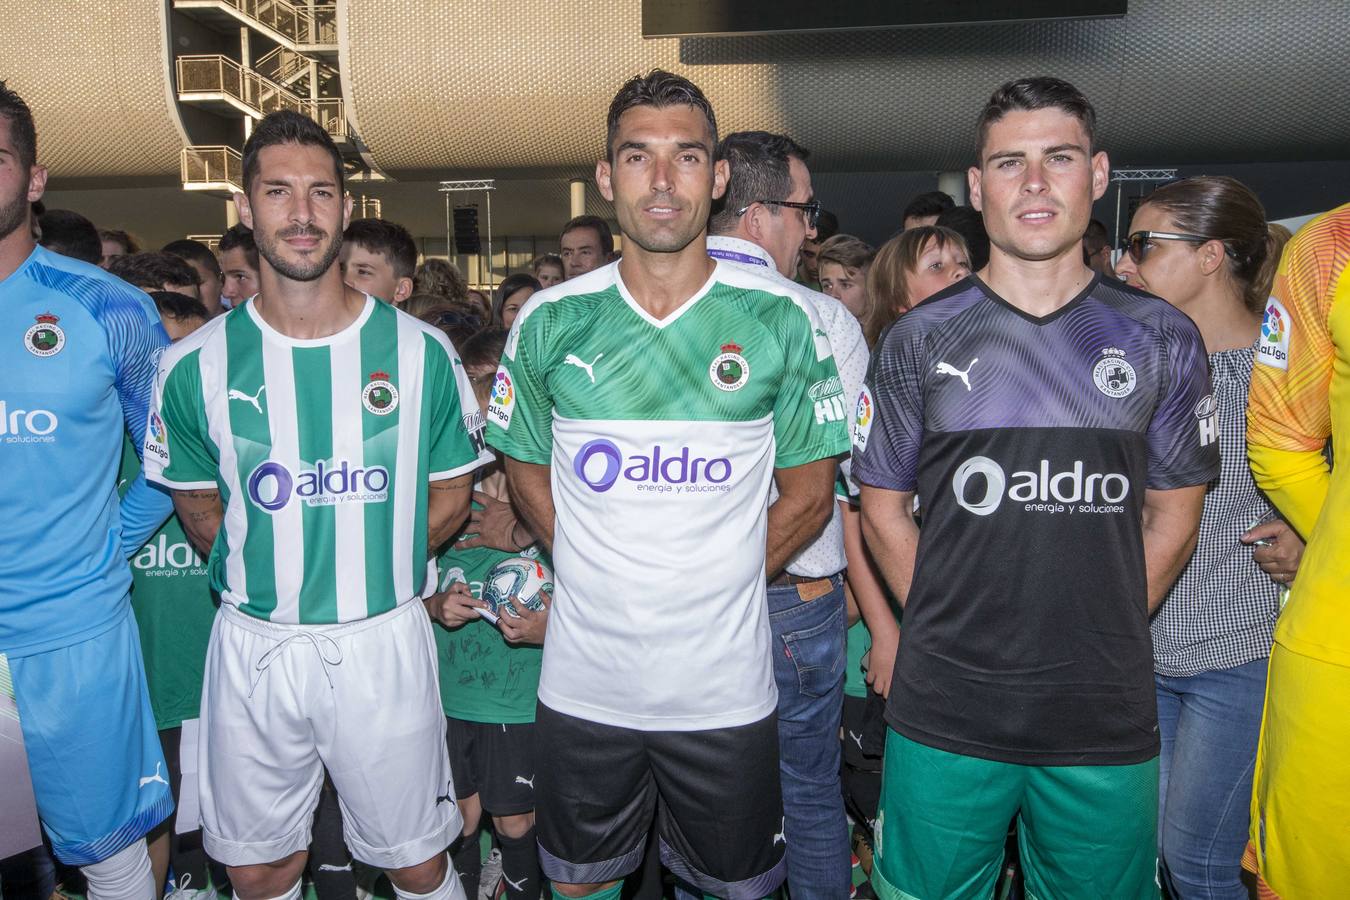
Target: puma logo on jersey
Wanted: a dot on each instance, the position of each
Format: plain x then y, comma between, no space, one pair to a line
573,360
153,778
446,797
327,867
521,779
781,837
857,739
949,369
515,885
240,395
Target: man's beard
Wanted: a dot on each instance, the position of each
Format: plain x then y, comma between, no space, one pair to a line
13,215
269,248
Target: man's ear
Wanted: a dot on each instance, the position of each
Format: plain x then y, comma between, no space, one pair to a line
402,290
1101,174
602,180
973,183
721,175
37,183
241,206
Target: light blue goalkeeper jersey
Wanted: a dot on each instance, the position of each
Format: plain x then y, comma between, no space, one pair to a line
78,351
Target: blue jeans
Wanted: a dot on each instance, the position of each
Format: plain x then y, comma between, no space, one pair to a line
809,653
808,664
1209,724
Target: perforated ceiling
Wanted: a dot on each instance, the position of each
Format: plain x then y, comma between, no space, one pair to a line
523,87
96,75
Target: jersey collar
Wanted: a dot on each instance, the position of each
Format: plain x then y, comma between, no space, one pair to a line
737,250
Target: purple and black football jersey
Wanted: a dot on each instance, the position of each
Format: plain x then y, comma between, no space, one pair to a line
1030,443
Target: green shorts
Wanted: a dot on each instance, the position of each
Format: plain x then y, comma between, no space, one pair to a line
1083,831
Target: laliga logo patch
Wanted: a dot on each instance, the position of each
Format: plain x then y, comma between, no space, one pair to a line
156,439
1273,347
380,396
503,400
862,419
1114,376
45,338
729,371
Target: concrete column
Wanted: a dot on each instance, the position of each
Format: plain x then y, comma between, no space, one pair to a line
954,185
578,197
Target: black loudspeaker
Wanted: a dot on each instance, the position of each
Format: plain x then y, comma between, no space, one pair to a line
466,230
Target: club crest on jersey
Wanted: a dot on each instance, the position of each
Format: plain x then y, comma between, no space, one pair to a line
729,370
379,395
1273,347
45,338
1114,376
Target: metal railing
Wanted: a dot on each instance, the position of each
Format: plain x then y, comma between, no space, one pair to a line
216,74
211,167
331,114
367,208
301,22
281,64
212,241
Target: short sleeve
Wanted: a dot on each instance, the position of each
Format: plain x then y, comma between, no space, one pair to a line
455,426
1183,437
887,429
809,413
178,451
520,413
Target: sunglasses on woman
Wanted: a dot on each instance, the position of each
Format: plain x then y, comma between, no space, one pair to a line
1139,243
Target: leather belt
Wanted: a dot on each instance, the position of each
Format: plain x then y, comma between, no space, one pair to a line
808,588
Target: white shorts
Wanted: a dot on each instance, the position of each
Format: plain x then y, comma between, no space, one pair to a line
282,702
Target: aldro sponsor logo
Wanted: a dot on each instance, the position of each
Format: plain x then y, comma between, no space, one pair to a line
27,426
981,485
600,465
272,486
161,559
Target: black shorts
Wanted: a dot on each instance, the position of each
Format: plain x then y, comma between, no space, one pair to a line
494,761
714,795
864,727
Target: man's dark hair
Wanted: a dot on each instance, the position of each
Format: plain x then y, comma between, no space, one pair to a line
70,234
827,226
22,132
758,162
240,236
929,203
660,89
390,239
1095,238
173,305
1042,92
117,236
193,251
968,222
484,349
596,224
287,127
153,269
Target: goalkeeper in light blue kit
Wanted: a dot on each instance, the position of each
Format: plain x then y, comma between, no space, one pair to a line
78,349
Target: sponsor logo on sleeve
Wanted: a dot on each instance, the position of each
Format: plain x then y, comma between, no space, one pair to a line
156,439
1207,413
476,426
1273,347
503,400
828,397
863,414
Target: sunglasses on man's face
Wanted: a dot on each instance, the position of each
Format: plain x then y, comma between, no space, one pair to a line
1139,244
811,208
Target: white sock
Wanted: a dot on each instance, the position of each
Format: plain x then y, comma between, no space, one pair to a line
293,893
125,875
451,888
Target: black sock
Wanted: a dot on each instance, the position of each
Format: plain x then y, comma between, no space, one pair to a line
520,865
468,861
330,863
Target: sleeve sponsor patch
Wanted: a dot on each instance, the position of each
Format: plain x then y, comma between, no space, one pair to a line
503,401
1273,347
1207,414
863,416
156,439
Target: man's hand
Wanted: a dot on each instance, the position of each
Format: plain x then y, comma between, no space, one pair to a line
495,526
530,627
1280,549
881,661
454,606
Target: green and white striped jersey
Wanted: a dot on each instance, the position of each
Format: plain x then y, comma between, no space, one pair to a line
663,436
322,451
